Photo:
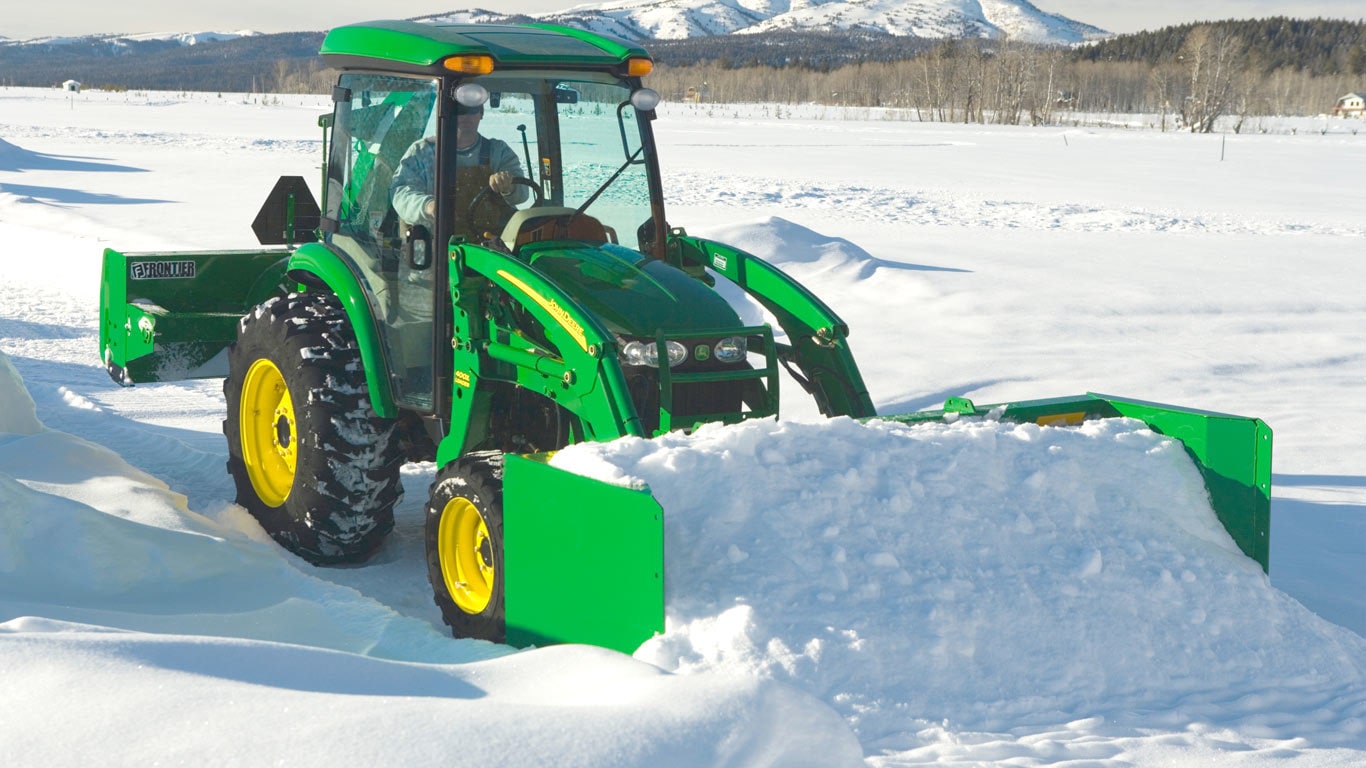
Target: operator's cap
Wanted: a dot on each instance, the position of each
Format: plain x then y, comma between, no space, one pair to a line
461,109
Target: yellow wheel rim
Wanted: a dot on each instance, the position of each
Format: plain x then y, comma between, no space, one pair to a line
269,435
466,553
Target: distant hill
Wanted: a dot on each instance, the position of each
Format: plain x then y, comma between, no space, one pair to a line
806,49
191,61
1318,46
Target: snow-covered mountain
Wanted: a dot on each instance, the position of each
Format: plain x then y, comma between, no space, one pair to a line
194,38
678,19
123,40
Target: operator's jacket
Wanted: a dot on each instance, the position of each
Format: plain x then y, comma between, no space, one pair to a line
416,177
408,309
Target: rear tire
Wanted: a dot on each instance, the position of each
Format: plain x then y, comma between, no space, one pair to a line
464,538
312,461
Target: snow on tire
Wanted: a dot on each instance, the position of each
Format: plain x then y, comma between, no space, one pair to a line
464,543
312,461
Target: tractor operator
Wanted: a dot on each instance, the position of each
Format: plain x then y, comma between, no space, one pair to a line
479,161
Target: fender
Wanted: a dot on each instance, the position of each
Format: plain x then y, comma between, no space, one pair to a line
315,264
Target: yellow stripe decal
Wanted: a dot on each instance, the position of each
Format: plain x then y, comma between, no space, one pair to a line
550,305
1062,419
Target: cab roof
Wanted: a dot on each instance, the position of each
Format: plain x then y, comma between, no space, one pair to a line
409,45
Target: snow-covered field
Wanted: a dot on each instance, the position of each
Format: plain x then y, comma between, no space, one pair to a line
839,594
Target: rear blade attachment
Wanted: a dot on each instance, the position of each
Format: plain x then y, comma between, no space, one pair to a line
171,316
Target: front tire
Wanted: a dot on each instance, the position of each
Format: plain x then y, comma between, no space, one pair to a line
312,461
464,538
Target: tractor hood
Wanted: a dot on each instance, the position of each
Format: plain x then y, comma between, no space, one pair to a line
631,294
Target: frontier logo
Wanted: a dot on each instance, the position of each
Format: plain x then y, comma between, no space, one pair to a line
161,270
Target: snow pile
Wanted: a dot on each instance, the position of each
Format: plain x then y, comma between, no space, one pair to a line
18,415
135,630
983,574
10,156
792,244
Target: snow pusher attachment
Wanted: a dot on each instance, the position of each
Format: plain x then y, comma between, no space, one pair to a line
1233,453
586,569
444,312
590,520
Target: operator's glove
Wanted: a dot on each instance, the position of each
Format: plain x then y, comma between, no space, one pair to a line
501,182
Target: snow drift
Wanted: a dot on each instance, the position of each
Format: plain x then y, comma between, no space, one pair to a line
978,573
129,623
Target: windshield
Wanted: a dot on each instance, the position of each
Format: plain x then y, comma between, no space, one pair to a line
578,140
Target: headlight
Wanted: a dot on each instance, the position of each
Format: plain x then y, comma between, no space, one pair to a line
471,95
647,353
645,99
731,349
636,353
677,353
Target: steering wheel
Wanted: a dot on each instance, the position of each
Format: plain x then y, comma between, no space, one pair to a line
502,208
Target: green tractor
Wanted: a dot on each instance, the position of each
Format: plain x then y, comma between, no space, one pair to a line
482,303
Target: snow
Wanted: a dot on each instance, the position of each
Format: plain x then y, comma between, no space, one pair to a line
974,593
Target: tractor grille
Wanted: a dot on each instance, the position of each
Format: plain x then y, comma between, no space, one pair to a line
706,389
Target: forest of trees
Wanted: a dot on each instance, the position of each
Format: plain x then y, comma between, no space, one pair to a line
1190,75
1318,45
259,62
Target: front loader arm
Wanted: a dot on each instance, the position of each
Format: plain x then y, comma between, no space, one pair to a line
819,348
582,373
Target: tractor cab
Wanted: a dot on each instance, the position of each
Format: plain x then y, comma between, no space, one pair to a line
575,144
414,168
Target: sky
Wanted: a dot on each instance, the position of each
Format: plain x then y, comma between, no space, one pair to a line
78,17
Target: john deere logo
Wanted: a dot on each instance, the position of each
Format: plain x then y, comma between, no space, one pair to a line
701,352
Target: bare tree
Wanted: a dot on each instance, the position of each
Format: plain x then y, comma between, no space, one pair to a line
1164,88
1213,56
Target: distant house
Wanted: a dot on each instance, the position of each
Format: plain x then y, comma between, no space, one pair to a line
697,93
1351,105
72,86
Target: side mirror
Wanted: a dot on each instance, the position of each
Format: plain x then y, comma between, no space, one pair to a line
647,237
417,247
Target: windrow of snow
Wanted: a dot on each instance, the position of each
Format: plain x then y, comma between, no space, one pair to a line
134,631
982,574
18,415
